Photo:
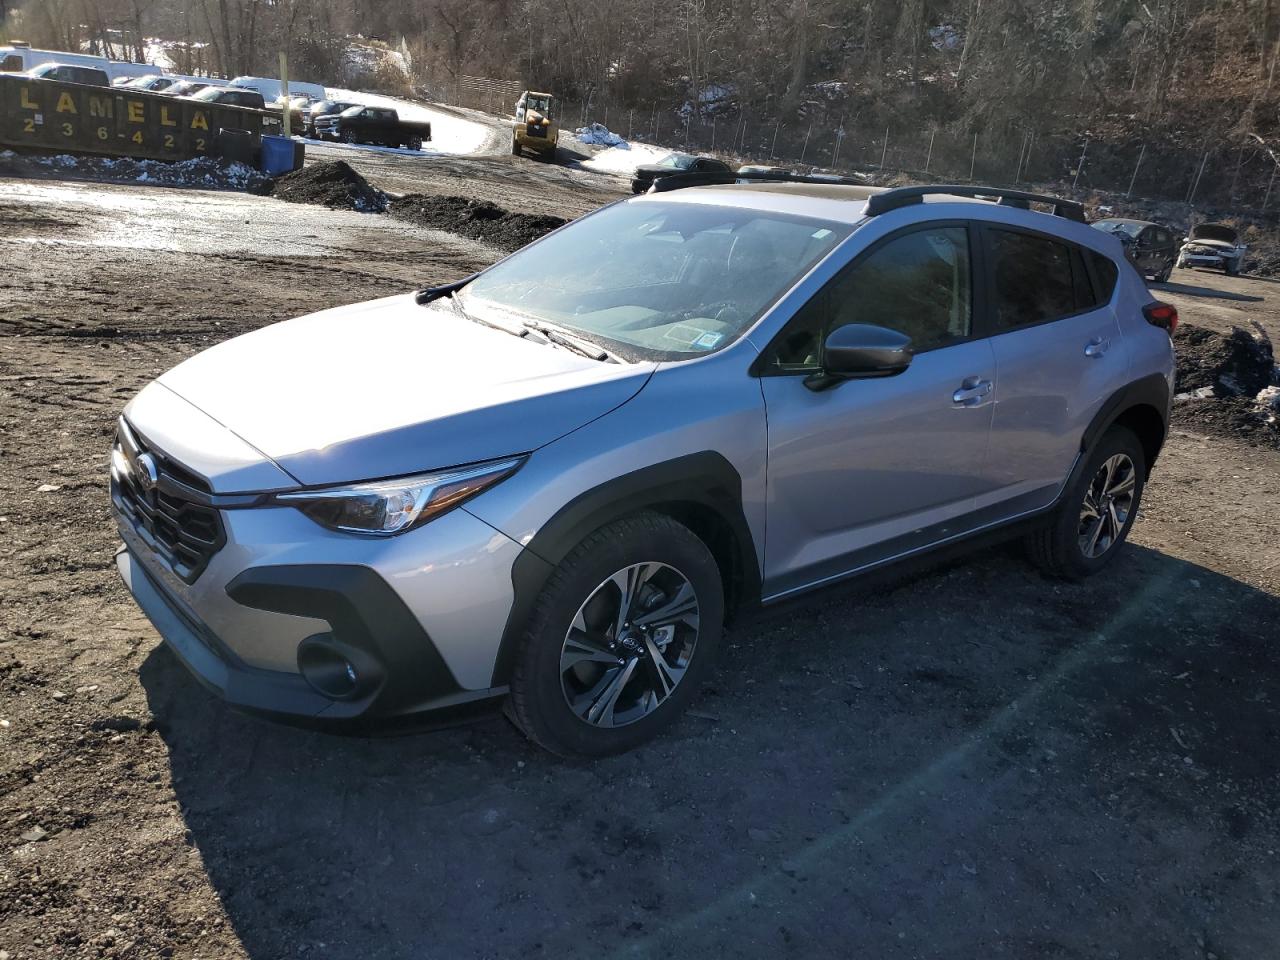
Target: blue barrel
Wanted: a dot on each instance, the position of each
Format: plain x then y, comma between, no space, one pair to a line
277,155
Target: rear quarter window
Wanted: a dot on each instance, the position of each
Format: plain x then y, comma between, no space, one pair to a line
1105,275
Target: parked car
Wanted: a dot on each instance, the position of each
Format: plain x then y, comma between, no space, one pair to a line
376,125
231,96
153,82
570,468
756,169
298,107
19,57
272,89
1214,245
1150,247
70,73
186,88
323,108
674,163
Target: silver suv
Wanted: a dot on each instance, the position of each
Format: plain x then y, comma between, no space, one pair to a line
547,486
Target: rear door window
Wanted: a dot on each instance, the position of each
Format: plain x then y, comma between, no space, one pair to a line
1032,279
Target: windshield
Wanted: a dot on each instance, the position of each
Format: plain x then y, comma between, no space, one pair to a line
681,161
208,93
1214,231
541,104
352,111
655,280
1127,227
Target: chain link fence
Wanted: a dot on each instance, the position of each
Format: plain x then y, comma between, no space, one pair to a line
1217,172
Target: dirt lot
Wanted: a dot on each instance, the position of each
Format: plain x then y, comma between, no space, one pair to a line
965,761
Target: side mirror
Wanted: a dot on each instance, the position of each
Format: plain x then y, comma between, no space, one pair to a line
860,350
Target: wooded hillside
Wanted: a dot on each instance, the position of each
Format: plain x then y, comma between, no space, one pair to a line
1176,90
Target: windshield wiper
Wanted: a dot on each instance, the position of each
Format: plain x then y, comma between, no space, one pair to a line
579,345
522,331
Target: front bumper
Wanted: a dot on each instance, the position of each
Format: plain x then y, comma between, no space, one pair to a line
1203,260
286,606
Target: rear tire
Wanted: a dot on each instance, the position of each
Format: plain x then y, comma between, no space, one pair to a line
597,675
1097,511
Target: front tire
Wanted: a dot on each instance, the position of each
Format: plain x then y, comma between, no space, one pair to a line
348,136
1163,275
620,638
1093,520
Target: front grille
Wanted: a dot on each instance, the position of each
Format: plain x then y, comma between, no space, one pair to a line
166,513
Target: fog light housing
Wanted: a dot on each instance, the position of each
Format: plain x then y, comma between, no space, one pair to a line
334,670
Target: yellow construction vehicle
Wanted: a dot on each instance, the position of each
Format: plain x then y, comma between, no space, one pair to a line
535,128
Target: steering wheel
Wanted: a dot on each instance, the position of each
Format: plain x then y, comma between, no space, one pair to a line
729,314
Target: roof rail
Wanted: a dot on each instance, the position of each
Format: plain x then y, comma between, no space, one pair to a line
879,200
705,178
905,196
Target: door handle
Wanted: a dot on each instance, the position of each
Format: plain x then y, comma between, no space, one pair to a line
972,392
1097,346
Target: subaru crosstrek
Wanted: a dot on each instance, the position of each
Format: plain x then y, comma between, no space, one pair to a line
548,485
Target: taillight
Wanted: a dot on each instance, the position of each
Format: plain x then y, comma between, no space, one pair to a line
1162,315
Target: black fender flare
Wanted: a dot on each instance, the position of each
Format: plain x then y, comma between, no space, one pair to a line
1150,391
704,480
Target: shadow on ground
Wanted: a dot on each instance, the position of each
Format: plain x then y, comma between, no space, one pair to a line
1209,293
972,762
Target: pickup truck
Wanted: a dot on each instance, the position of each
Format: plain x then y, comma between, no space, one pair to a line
375,125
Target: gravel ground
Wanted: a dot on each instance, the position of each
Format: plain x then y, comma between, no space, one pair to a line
959,760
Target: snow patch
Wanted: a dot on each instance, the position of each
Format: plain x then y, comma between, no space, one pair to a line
625,158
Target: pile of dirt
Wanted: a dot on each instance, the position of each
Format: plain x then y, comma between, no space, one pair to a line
476,219
333,184
1225,384
203,173
1234,364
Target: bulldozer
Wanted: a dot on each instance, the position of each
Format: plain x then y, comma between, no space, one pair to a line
535,128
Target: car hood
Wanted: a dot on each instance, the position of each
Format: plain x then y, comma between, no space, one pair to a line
1223,245
654,170
389,388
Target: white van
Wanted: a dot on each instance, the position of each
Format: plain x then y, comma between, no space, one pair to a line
19,58
271,90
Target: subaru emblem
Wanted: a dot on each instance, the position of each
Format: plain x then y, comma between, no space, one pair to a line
144,468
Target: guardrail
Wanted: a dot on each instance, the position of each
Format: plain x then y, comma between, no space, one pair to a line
76,118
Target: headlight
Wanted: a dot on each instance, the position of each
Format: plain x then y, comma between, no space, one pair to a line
386,507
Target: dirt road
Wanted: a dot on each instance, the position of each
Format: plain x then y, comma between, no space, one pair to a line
964,761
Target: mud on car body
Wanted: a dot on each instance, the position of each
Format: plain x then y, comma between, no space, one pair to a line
546,486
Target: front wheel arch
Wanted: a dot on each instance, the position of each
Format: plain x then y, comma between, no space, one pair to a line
702,491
